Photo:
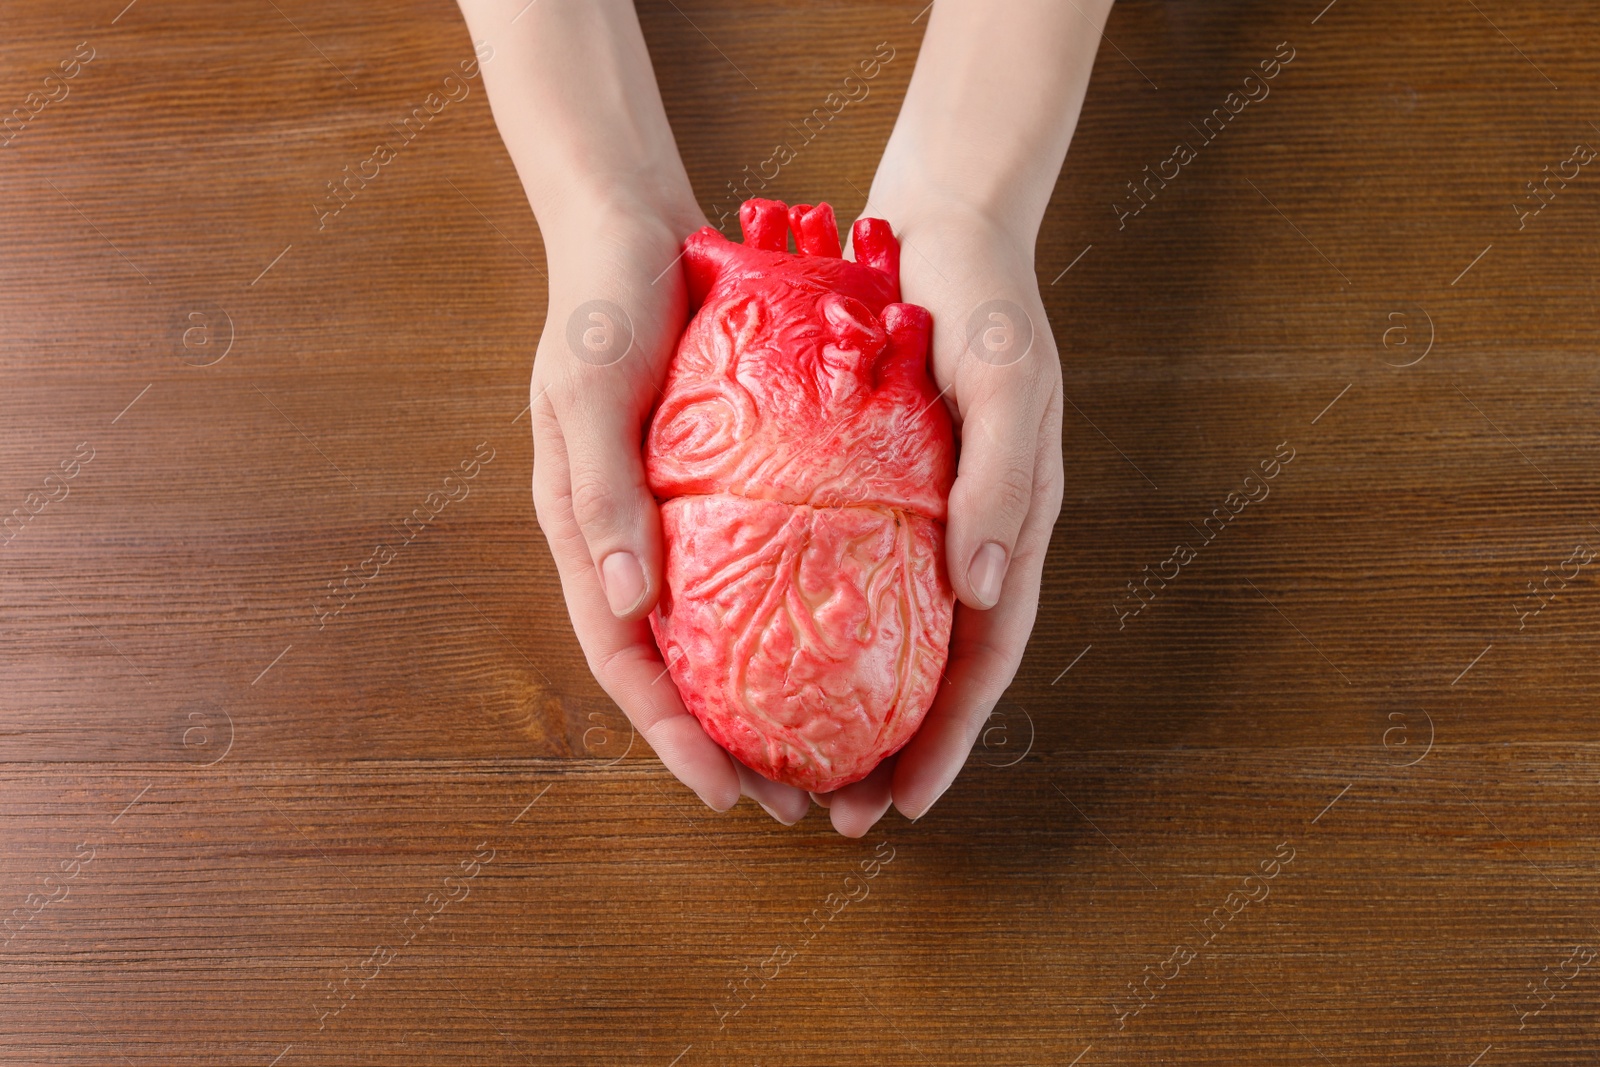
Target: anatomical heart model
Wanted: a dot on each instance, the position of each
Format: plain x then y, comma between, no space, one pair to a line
803,459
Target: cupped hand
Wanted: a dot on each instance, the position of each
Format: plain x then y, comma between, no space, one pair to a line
995,357
616,310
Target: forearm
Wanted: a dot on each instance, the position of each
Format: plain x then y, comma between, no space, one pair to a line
575,99
991,109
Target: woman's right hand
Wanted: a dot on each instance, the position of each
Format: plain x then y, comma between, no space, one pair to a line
575,98
617,307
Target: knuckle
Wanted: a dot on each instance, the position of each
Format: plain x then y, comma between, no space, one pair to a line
1040,374
563,383
546,499
999,660
549,523
1051,495
606,665
1011,492
595,505
552,509
541,513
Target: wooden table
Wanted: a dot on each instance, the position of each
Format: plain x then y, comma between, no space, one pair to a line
1326,798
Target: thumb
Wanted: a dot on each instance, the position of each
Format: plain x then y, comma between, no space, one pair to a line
992,492
611,499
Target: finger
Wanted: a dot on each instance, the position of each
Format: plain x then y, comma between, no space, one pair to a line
783,802
857,807
985,650
993,490
610,498
622,654
824,800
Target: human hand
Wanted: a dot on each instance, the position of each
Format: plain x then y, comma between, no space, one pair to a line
994,356
617,307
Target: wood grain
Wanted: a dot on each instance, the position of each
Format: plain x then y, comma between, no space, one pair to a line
418,832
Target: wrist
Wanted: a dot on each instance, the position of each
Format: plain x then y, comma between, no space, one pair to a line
954,225
919,194
594,213
622,244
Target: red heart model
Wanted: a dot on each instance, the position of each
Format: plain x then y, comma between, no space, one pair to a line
803,459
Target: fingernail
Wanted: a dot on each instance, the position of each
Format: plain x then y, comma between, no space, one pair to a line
936,798
987,573
775,815
623,579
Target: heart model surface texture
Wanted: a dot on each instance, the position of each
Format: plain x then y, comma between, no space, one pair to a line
803,459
